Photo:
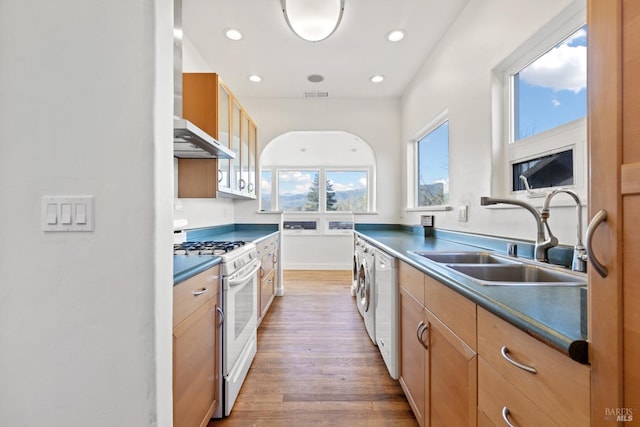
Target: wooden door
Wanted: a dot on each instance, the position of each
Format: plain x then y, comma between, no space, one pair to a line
614,162
412,353
195,391
452,377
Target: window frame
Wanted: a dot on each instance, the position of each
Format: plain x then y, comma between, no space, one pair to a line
569,136
440,119
322,196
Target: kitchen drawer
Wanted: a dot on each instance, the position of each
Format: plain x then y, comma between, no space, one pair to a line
496,393
560,387
454,310
188,296
412,280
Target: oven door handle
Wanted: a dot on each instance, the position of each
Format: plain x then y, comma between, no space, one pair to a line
245,278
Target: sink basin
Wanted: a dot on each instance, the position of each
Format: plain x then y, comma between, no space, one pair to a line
465,258
519,275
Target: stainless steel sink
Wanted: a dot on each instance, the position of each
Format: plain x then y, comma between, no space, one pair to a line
486,268
519,274
465,258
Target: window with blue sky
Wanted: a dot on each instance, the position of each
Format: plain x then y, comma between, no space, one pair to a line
433,167
552,90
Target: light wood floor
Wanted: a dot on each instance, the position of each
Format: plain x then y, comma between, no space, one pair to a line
316,366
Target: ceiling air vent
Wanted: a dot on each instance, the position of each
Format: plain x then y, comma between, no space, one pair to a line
316,94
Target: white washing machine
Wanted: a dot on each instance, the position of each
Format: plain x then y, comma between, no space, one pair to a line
365,292
387,324
358,246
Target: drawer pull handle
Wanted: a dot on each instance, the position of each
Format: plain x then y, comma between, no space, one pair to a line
420,330
505,416
505,353
199,292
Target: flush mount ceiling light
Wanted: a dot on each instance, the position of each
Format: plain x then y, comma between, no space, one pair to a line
255,78
232,34
313,20
377,78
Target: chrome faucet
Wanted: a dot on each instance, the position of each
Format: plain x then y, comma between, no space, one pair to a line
542,245
579,261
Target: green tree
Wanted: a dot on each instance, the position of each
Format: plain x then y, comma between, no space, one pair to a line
313,196
331,197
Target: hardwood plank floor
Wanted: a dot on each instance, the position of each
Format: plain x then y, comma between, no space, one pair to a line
316,365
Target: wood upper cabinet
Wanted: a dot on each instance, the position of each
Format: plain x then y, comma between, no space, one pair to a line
438,368
210,105
196,346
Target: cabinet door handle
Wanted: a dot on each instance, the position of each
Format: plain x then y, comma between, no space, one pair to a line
261,271
420,330
250,187
242,184
505,417
597,219
220,175
220,316
505,353
199,292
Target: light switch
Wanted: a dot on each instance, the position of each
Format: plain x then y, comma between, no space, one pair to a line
65,213
81,213
51,213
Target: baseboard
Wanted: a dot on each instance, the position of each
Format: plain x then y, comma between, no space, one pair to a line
340,266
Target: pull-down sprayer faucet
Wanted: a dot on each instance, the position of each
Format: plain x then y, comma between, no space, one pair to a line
542,245
579,262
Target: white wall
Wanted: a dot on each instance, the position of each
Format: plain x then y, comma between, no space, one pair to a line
85,109
457,76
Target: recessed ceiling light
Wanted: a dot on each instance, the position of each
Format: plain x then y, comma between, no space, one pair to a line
255,78
232,34
377,78
315,78
395,35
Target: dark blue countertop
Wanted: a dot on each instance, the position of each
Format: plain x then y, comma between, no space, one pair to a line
554,315
185,266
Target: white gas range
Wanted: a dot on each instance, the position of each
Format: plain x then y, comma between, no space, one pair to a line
238,270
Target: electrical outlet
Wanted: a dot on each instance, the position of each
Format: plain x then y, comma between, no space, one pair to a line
462,213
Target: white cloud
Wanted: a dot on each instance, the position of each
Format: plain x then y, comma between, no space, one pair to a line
562,68
445,184
295,176
265,184
363,182
555,102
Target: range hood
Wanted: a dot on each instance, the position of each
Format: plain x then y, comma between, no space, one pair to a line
189,141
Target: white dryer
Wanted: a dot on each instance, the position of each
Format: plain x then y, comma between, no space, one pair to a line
387,311
365,292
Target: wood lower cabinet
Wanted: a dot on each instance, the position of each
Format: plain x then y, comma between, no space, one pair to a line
438,368
268,251
196,345
559,387
412,353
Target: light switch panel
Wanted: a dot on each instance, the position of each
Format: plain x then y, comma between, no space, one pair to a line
67,213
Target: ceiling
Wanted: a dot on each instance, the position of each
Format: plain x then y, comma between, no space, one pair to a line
347,59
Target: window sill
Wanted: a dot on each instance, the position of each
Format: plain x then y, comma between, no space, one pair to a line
430,208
